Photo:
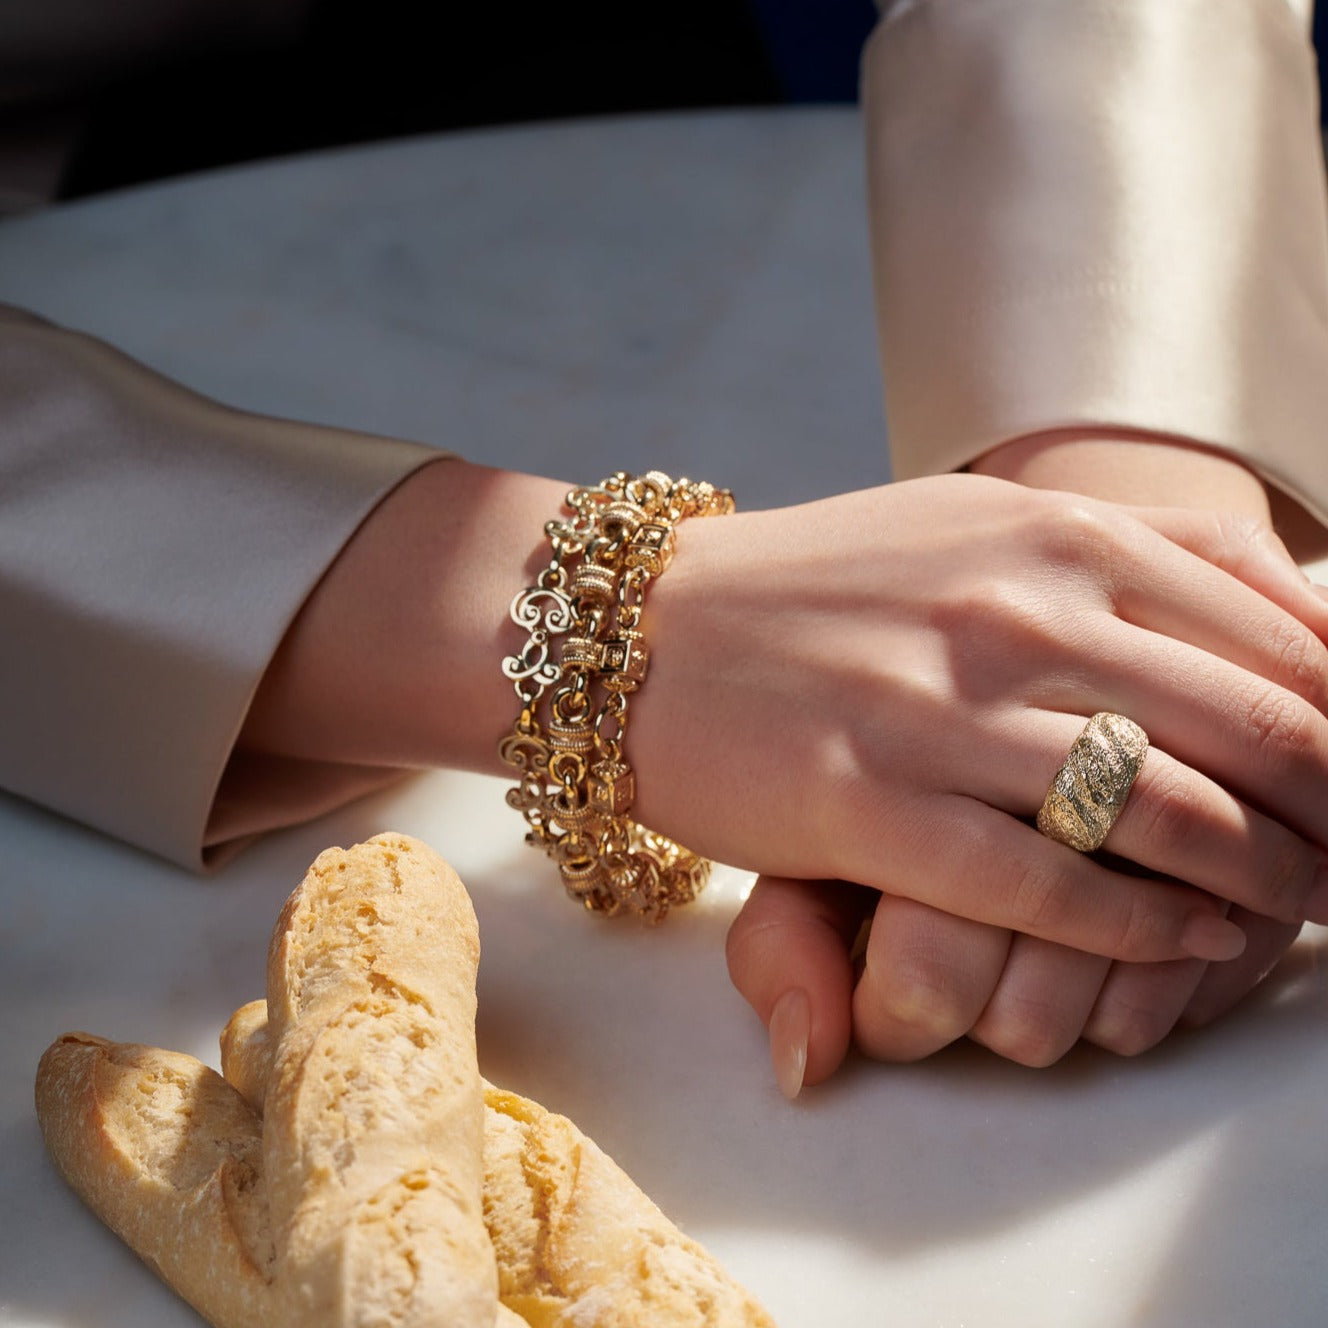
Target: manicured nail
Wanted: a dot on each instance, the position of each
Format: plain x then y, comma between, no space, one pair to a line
1316,904
1207,936
790,1029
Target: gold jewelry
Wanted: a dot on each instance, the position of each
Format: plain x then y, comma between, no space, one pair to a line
1090,789
576,786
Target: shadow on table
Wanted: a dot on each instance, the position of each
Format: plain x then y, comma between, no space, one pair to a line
1254,1248
642,1041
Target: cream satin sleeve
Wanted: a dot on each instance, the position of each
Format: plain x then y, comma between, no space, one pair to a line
154,547
1100,212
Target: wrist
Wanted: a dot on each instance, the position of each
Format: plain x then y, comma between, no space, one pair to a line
1127,467
576,785
394,660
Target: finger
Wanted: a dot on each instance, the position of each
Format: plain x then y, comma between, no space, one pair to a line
1223,986
788,954
1041,1003
1238,596
1222,676
926,977
1176,822
1258,738
965,857
1248,550
1141,1003
1181,824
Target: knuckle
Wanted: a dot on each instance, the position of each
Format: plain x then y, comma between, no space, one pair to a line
1278,726
1140,928
1083,535
1240,534
736,949
749,936
1039,902
1032,1036
1233,540
1129,1028
919,994
1078,523
1138,1008
892,1044
1301,659
1164,808
1288,876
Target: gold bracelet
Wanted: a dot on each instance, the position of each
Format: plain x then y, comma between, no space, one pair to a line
576,786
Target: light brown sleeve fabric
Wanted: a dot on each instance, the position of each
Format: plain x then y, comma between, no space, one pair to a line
1104,212
154,548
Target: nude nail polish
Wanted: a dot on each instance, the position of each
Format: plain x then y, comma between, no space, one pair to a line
790,1031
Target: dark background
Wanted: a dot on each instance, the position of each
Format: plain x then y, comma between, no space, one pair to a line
364,71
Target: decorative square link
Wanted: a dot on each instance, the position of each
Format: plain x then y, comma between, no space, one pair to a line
623,661
578,813
611,788
651,548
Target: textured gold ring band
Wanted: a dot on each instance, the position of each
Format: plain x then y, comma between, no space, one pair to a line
1090,789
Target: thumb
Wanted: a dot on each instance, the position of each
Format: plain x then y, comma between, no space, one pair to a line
790,955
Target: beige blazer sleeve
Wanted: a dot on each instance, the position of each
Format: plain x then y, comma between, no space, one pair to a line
1100,212
154,547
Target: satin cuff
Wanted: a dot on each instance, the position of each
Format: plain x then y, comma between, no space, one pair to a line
1100,213
154,548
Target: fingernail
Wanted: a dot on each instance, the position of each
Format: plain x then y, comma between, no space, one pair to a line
1207,936
790,1029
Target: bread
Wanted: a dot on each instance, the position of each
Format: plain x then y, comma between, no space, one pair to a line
578,1244
337,1178
373,1113
246,1053
168,1155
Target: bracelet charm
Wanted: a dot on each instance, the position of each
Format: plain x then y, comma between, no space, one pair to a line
575,785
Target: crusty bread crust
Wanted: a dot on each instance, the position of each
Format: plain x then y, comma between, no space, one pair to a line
578,1244
169,1156
335,1181
373,1114
246,1053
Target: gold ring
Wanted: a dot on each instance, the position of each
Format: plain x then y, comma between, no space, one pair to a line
1090,789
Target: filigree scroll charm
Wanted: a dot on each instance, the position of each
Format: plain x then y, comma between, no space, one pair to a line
545,612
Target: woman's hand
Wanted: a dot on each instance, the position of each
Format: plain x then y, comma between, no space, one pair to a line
927,977
880,687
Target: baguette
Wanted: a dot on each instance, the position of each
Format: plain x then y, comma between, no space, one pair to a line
578,1244
169,1156
373,1112
352,1169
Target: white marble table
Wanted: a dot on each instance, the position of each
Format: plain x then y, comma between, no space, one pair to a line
689,292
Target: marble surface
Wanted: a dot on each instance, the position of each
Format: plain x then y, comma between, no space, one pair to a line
690,292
